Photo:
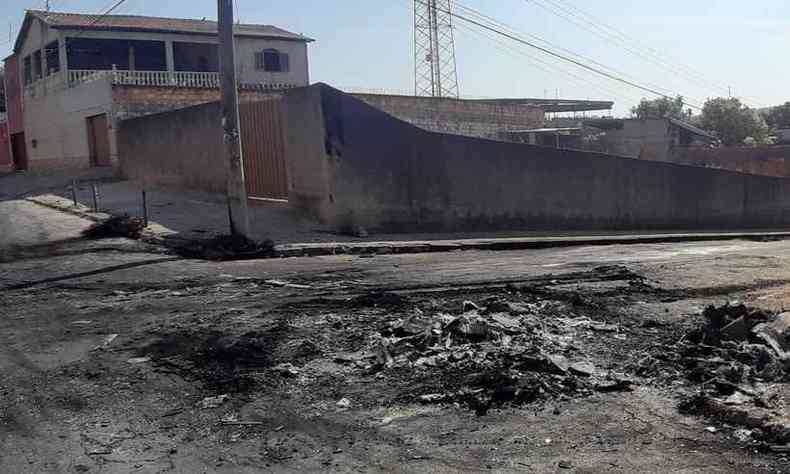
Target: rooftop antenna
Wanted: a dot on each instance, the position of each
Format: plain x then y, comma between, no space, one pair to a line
435,73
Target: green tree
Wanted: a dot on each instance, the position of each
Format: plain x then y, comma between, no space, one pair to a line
733,122
663,107
779,116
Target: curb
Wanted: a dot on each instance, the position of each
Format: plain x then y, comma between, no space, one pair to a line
432,246
93,216
534,243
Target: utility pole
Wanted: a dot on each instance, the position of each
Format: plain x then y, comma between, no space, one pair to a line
237,191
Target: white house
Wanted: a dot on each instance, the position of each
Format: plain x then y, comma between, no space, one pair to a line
75,76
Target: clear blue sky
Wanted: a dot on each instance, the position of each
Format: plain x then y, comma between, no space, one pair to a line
367,44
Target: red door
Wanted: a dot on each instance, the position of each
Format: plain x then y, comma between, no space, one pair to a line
19,151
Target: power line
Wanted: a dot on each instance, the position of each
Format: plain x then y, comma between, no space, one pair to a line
573,14
100,16
563,57
545,65
492,21
590,26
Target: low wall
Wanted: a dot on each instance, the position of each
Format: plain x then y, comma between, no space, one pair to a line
56,127
355,166
177,149
764,160
457,116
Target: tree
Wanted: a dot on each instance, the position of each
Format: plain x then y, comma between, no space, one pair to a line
663,107
779,116
732,122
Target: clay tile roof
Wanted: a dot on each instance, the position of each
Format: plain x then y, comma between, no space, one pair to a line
156,24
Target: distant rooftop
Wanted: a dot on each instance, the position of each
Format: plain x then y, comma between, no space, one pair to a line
79,21
557,105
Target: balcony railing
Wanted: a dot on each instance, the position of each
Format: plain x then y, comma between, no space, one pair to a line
206,80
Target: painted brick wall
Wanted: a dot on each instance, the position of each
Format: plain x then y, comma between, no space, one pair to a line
458,117
137,101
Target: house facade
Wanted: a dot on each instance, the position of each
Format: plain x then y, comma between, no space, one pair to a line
73,78
646,139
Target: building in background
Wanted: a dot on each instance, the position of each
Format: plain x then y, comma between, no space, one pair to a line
494,119
646,139
72,78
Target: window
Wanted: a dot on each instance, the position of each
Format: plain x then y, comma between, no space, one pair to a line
52,56
272,60
37,65
28,68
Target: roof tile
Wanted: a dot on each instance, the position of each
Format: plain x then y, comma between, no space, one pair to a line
150,23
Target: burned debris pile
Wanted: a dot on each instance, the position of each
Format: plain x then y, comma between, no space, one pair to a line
116,226
739,359
223,247
495,353
738,345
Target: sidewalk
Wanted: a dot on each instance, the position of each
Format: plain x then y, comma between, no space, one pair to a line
195,215
21,184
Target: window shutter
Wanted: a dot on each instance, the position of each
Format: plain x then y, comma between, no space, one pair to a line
285,63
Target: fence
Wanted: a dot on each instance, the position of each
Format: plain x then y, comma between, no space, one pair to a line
207,80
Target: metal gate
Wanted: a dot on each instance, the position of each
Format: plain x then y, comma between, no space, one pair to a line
263,145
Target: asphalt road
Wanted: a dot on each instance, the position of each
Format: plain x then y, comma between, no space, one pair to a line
67,407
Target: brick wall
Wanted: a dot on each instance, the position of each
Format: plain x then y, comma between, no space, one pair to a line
764,161
137,101
458,117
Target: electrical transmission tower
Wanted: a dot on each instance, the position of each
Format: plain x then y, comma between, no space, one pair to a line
435,74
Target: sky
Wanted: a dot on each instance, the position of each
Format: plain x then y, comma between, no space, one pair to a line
689,47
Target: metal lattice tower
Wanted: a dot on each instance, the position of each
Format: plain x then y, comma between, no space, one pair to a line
435,74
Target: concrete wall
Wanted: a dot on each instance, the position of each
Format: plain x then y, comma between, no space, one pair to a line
763,160
56,130
358,167
459,117
178,149
171,136
647,139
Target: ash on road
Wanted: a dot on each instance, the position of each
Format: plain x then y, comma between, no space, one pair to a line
116,358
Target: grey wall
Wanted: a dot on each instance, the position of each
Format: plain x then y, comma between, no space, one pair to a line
385,175
178,149
647,139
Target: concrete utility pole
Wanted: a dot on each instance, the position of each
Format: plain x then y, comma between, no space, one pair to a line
237,191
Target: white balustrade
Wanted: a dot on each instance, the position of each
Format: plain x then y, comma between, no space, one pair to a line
188,79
